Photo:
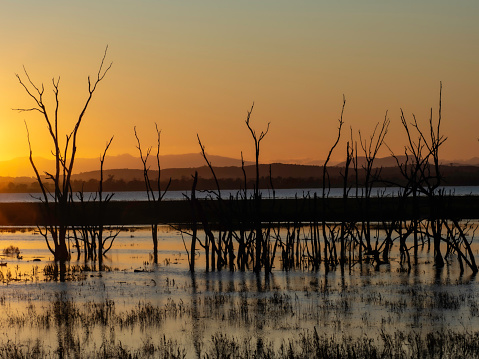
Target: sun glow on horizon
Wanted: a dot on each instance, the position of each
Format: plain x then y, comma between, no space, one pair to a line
197,69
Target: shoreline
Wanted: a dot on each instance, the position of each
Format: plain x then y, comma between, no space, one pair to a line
237,211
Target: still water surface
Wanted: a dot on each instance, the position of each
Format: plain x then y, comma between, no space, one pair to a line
279,193
194,307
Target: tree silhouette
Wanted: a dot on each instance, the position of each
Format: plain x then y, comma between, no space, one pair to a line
154,197
56,203
259,241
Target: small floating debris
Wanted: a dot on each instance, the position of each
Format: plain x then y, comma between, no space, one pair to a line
142,270
3,264
37,260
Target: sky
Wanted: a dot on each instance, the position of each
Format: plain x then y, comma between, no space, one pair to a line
196,67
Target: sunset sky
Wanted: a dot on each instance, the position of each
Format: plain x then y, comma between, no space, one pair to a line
197,66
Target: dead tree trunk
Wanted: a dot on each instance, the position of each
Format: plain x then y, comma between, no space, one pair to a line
57,204
155,196
257,195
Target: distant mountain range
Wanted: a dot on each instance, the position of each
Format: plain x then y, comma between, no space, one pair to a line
232,177
392,162
20,167
225,172
471,162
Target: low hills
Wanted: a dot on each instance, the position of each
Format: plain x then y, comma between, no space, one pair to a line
233,177
20,167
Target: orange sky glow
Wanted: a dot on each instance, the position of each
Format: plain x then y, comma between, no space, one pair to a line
196,68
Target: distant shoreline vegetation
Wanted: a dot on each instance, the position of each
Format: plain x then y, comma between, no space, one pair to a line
284,176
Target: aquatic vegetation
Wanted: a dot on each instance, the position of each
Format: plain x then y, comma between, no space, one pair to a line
11,251
165,311
70,272
221,317
309,344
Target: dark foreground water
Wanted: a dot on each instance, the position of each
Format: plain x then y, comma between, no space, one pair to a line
137,306
279,193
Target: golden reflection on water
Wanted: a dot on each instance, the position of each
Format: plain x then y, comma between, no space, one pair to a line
166,300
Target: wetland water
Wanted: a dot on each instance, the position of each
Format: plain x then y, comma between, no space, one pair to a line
279,193
136,306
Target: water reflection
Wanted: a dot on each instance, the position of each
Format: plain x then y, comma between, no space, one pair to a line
196,332
167,301
279,193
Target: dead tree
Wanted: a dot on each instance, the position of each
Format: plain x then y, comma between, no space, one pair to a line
422,172
256,193
194,225
371,149
93,231
111,236
56,203
217,258
346,189
155,195
328,246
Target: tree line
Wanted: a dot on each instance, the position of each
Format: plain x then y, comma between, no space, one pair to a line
453,176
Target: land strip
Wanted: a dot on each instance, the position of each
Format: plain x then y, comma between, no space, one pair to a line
234,211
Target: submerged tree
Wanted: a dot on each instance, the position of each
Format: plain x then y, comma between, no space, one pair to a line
56,201
154,192
259,240
328,247
422,172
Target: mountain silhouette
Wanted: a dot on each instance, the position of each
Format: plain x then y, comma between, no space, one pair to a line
20,167
117,165
390,161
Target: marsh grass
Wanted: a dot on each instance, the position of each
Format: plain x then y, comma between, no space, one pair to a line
78,324
11,251
165,349
164,313
308,344
75,272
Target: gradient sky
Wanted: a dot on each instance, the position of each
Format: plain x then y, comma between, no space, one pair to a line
197,66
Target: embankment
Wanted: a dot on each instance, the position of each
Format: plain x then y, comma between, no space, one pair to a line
240,211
